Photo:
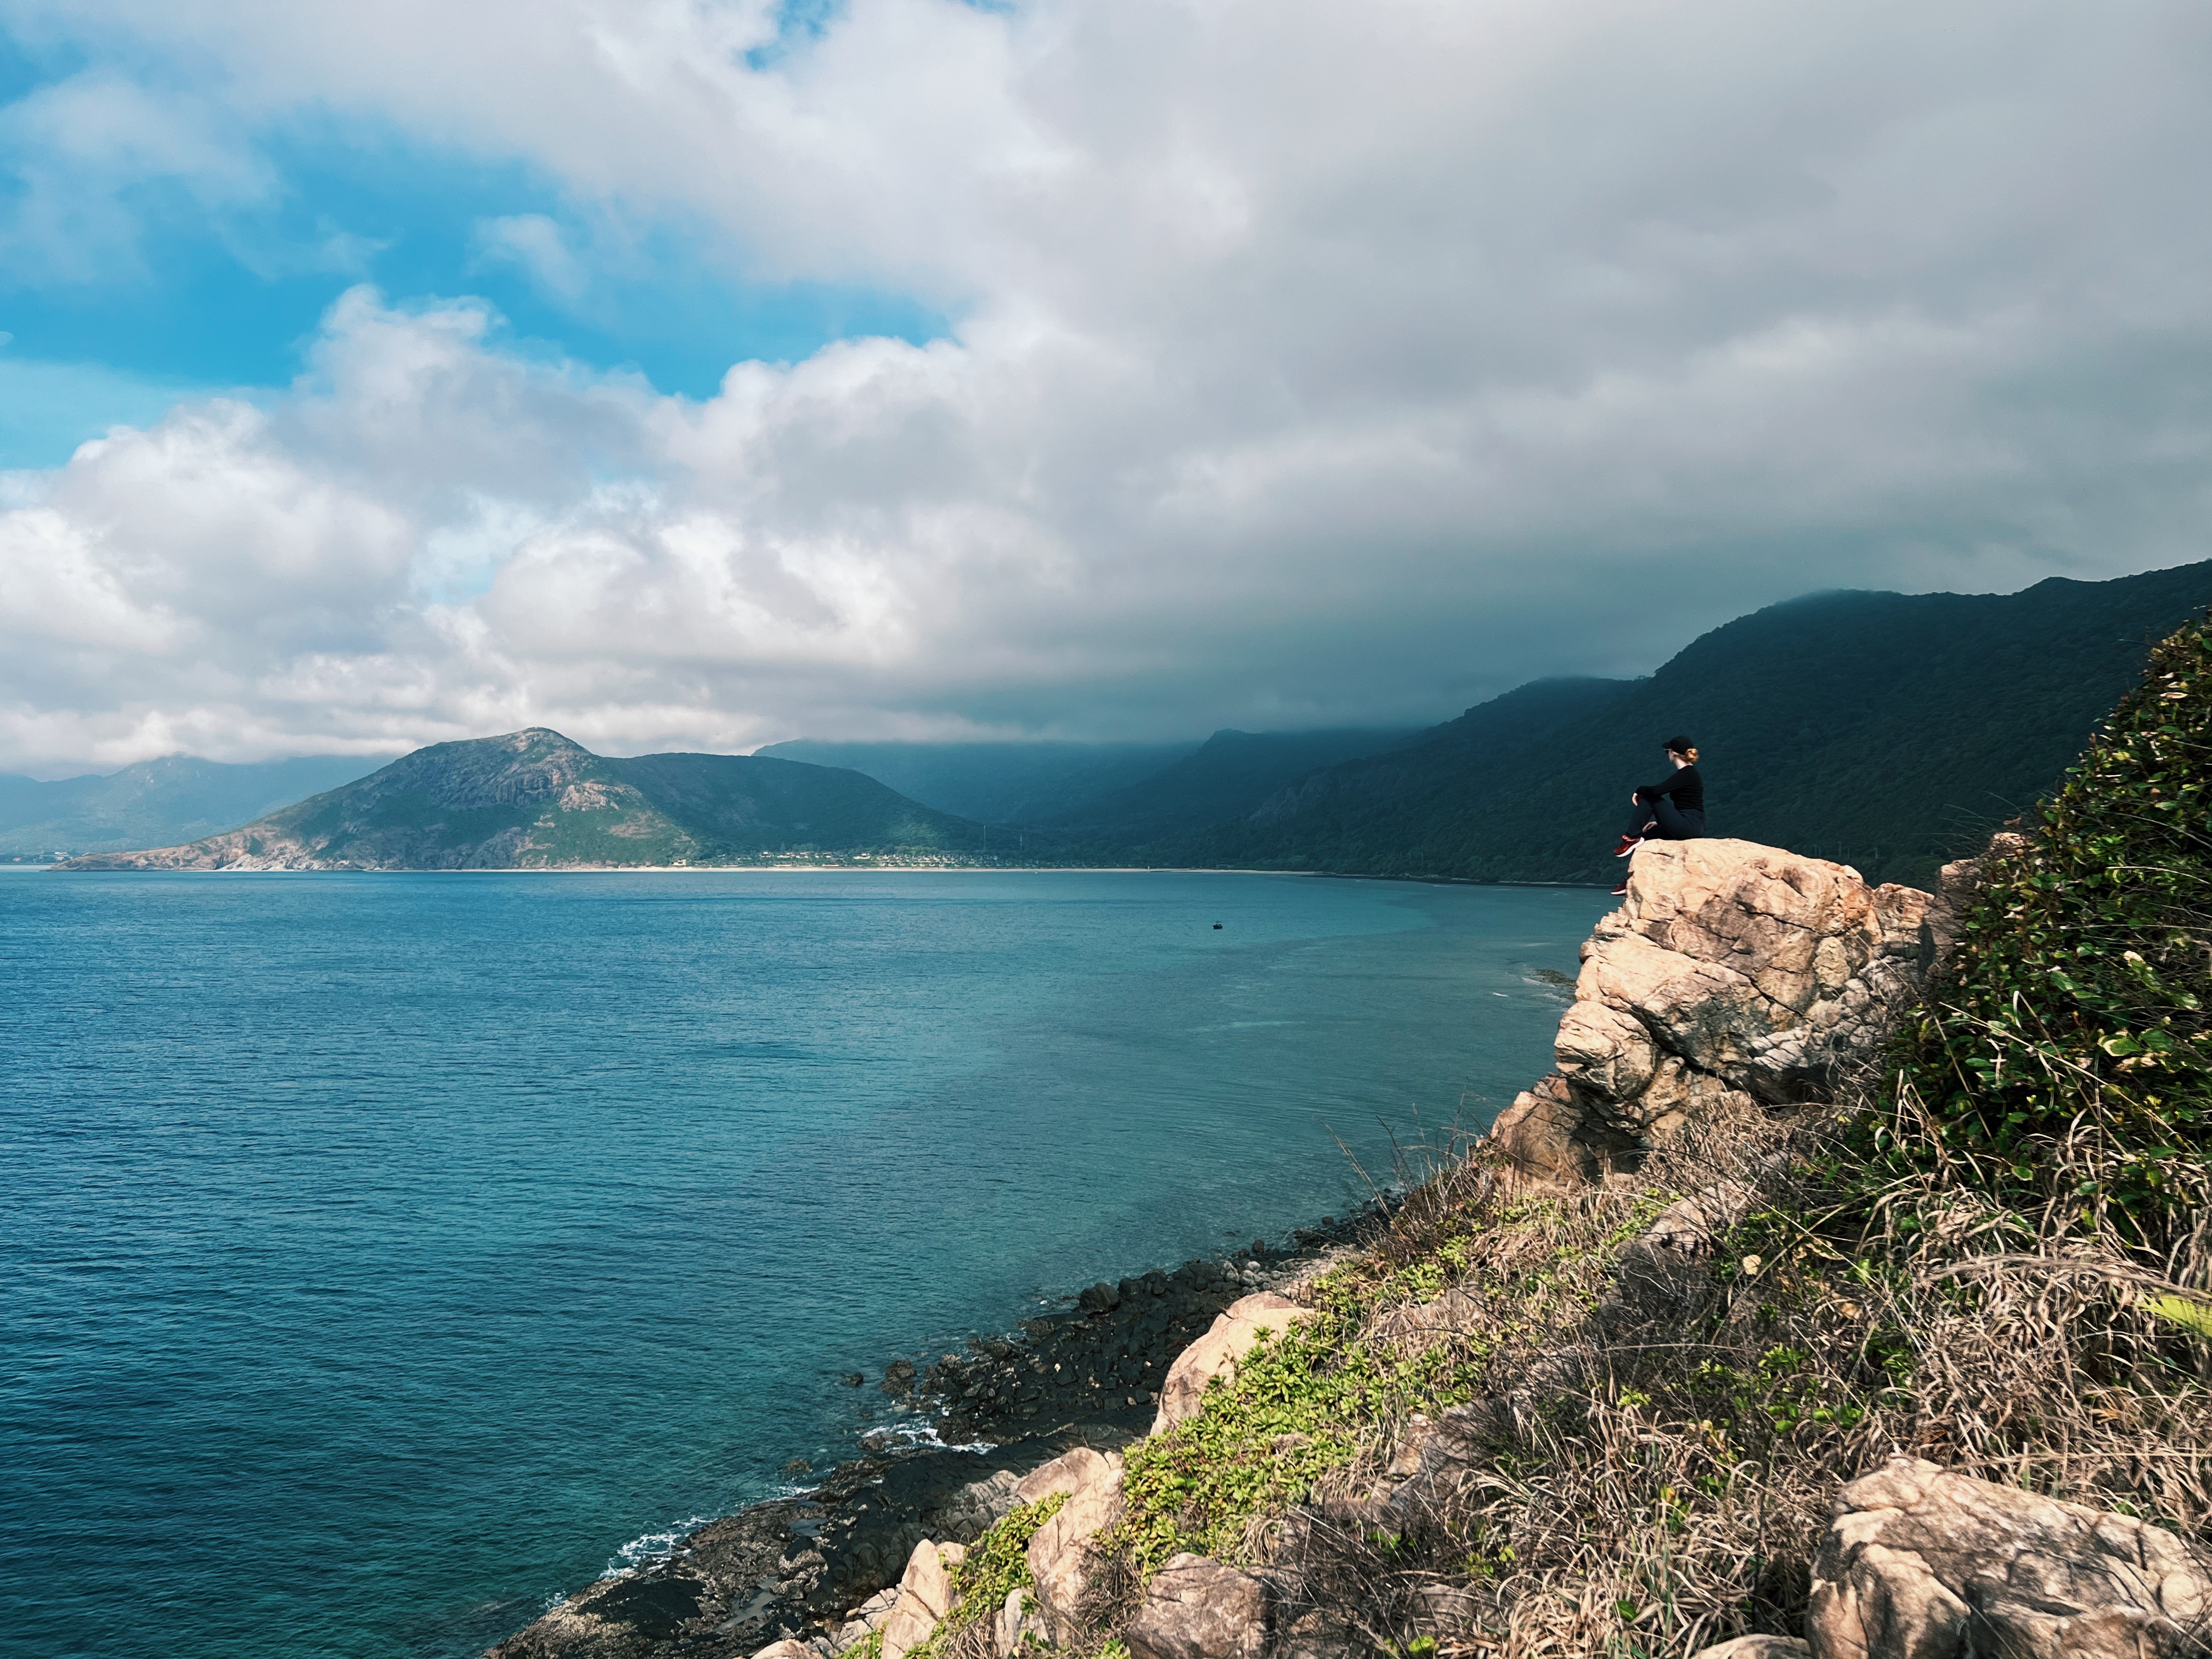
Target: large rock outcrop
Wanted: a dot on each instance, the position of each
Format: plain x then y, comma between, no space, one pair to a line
1924,1563
1732,971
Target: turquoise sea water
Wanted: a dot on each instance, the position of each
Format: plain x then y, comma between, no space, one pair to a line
382,1255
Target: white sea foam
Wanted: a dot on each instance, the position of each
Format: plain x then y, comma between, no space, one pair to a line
647,1548
916,1435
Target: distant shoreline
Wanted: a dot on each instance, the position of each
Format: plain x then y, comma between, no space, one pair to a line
849,870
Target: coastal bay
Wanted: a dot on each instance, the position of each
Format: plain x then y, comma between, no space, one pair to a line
395,1253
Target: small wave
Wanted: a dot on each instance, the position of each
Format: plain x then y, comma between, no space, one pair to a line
915,1436
647,1548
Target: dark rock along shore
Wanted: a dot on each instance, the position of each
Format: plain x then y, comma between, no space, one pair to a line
800,1567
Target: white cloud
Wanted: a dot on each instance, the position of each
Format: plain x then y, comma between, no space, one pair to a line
535,243
93,153
1315,363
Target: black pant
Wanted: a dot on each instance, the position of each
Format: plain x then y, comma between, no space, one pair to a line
1661,820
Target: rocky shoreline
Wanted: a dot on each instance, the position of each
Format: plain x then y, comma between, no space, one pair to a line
817,1568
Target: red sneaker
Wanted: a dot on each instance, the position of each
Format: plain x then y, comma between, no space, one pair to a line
1626,845
1621,891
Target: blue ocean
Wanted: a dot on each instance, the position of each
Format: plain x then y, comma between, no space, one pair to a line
382,1255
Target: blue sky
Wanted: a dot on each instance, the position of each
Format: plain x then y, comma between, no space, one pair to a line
227,296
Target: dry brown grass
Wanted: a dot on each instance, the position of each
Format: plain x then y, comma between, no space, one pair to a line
1657,1435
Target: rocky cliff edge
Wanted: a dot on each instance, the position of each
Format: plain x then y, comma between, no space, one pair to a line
1732,971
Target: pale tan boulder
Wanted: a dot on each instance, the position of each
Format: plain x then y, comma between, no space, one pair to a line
1069,1473
1543,1135
1197,1609
1706,1012
1607,1045
867,1620
1677,1089
1733,974
1920,1562
925,1596
1758,1647
1955,883
1020,1626
1061,1557
1230,1338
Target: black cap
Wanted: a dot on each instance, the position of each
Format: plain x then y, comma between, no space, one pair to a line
1678,745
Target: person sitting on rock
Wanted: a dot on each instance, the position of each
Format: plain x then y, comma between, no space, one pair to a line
1672,811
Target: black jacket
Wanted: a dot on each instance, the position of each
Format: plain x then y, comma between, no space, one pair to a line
1685,789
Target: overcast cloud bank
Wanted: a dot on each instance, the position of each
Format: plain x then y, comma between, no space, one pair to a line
1312,364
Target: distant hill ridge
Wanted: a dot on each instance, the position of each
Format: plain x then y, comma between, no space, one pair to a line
1120,793
173,798
1017,782
1885,731
534,800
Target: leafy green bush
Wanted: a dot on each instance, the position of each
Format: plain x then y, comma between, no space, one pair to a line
996,1566
2067,1058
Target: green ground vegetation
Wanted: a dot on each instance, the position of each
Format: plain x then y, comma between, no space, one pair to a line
2069,1060
997,1564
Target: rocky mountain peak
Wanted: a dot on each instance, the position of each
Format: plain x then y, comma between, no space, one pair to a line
511,769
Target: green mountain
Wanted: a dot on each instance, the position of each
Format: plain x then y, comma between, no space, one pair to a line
535,800
157,801
995,782
1229,774
1885,731
1103,794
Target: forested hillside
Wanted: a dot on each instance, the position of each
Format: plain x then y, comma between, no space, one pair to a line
1887,731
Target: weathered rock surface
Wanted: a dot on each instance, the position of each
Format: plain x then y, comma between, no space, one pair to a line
925,1596
868,1542
1954,885
1733,971
1021,1626
1108,1356
1758,1647
696,1599
1922,1563
867,1620
1216,1354
1071,1471
803,1568
1061,1561
1196,1608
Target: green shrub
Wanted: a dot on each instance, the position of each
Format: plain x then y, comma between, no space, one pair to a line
997,1564
2067,1058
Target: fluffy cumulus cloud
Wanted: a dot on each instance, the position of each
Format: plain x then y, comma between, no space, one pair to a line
1312,362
